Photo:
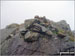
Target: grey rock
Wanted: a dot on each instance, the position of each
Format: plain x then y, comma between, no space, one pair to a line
44,29
27,23
5,33
61,35
67,38
31,36
36,37
64,25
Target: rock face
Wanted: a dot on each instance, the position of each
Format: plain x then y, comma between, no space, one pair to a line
38,36
31,36
64,25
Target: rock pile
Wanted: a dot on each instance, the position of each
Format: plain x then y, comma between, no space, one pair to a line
38,36
33,28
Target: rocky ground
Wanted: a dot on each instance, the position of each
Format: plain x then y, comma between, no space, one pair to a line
37,36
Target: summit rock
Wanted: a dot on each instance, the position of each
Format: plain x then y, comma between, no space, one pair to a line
37,36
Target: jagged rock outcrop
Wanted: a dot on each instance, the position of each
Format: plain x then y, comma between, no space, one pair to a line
64,25
38,36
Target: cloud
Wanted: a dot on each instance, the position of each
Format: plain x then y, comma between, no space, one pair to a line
18,11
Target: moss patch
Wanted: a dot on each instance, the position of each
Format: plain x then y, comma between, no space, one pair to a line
72,39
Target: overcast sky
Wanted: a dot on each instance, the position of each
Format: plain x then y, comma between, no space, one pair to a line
18,11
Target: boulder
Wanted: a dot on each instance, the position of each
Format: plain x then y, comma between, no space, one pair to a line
35,28
44,29
61,35
49,33
28,23
31,36
41,29
64,25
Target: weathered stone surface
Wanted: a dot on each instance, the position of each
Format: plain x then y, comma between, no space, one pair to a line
5,33
38,36
31,36
28,23
36,28
61,35
23,32
64,25
41,29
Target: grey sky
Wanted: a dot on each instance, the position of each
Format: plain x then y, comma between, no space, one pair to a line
18,11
